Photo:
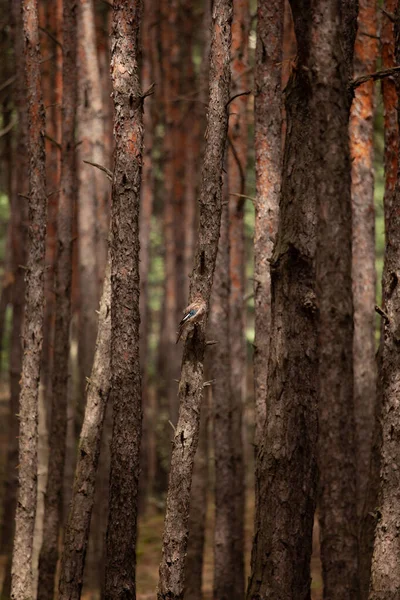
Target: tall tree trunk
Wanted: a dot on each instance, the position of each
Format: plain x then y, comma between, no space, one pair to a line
363,266
370,513
57,439
22,583
172,567
220,374
286,485
332,65
125,316
92,189
198,510
146,210
173,63
200,479
18,259
268,156
237,162
385,573
78,525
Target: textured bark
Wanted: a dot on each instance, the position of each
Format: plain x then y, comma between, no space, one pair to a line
125,317
220,374
332,65
92,191
77,529
385,574
57,438
268,126
198,511
21,585
363,267
200,480
172,567
237,162
18,257
389,94
286,484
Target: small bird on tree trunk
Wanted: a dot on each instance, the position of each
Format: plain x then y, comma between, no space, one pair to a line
192,314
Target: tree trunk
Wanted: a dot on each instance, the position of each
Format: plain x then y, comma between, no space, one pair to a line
57,439
125,317
21,585
220,375
92,189
237,162
286,484
370,513
385,574
363,267
146,210
18,257
200,480
268,156
173,63
198,510
332,65
172,567
78,525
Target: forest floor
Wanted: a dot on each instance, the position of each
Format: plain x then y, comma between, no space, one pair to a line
150,532
149,553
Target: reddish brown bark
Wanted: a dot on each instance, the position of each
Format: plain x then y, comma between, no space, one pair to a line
287,455
57,437
332,64
50,17
125,316
77,529
385,575
268,124
172,567
22,584
363,247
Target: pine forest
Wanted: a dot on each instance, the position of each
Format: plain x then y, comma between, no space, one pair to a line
199,299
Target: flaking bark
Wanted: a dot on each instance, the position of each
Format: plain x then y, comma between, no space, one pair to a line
125,316
172,567
22,584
